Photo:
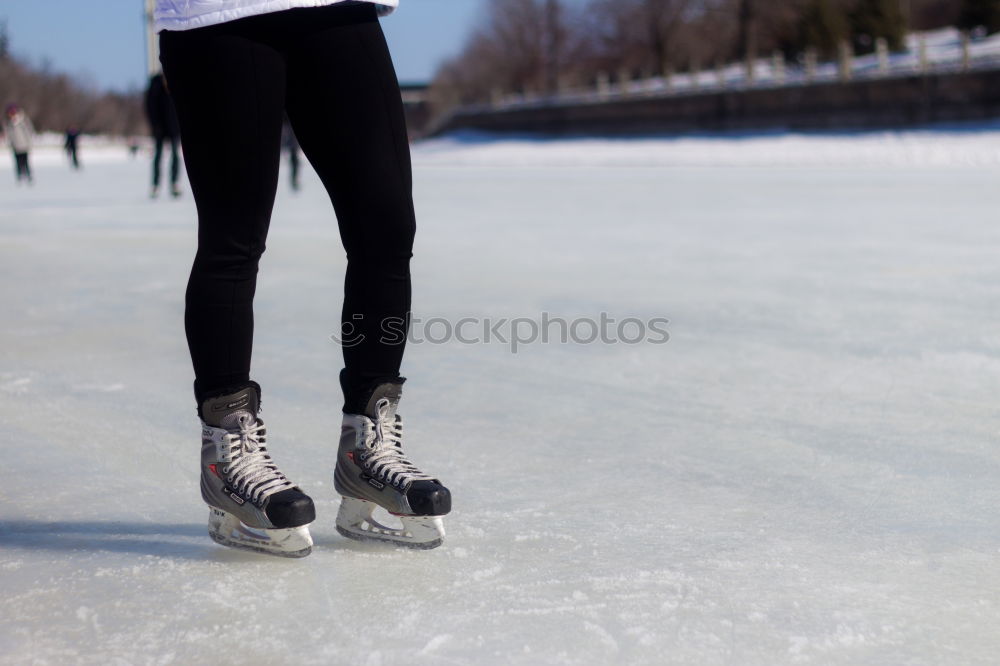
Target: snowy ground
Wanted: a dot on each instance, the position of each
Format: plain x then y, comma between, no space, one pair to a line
808,472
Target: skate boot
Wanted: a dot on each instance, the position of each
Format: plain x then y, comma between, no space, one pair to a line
373,471
252,505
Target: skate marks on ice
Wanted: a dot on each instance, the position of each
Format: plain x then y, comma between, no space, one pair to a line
803,475
13,383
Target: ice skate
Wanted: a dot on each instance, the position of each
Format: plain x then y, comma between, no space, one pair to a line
372,472
253,505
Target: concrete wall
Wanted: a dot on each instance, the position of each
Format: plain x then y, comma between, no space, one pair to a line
861,104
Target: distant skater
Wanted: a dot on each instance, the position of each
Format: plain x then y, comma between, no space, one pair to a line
20,132
72,145
235,68
163,122
291,144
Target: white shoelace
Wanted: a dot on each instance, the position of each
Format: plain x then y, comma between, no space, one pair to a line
384,457
251,471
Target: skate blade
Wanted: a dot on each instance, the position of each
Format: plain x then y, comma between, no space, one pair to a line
355,521
227,530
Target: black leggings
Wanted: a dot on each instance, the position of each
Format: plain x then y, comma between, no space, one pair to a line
329,67
21,163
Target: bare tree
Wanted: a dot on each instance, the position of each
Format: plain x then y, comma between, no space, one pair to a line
523,46
665,22
54,101
931,14
535,46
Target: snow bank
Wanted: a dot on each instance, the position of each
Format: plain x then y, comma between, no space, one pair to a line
969,145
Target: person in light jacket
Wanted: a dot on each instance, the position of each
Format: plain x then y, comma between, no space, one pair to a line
234,69
20,132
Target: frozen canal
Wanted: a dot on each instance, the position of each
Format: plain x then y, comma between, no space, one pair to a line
807,472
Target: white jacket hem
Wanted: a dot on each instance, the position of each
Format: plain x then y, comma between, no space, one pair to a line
191,14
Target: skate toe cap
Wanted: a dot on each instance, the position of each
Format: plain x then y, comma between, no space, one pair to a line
429,498
290,508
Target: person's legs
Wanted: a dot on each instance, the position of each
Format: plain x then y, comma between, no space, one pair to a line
229,91
175,165
157,157
344,104
20,162
293,164
229,88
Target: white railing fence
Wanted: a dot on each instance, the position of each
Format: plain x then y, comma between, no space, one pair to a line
941,51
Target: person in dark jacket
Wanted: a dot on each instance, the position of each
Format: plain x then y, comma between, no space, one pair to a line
72,143
163,122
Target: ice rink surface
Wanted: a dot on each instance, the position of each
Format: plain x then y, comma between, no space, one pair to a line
808,472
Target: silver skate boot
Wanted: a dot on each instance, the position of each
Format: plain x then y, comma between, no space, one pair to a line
373,471
252,505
